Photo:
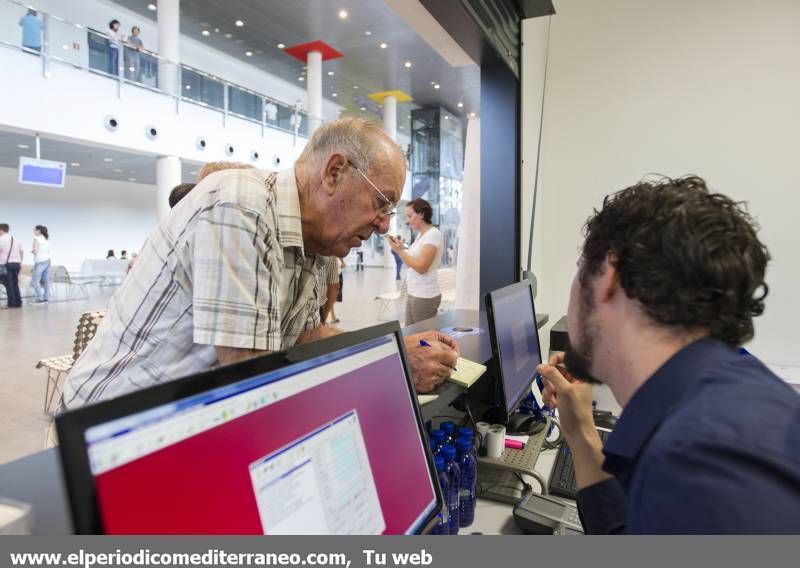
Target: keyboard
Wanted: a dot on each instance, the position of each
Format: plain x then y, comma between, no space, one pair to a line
562,479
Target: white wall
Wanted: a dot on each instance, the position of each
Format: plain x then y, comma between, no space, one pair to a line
711,88
85,218
97,13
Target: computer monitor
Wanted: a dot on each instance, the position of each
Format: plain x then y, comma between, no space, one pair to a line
325,438
515,343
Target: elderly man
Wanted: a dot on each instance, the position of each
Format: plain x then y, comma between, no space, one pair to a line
232,272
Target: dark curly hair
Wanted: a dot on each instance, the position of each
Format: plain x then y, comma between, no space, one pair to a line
690,257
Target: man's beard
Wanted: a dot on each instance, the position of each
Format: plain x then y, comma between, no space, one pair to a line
579,360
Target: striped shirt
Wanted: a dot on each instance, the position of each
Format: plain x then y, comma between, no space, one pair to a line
225,268
328,275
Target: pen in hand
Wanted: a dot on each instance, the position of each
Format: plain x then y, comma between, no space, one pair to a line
424,343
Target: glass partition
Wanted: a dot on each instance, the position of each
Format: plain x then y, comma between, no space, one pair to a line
141,66
198,87
17,30
101,56
67,42
244,103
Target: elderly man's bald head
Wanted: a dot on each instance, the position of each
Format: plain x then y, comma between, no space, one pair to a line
363,142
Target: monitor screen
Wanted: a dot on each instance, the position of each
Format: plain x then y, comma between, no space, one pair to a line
516,340
329,445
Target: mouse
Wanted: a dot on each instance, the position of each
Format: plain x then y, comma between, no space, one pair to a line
524,424
605,419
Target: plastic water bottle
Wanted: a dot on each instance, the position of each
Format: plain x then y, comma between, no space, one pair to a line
469,474
438,437
442,525
449,429
454,477
469,433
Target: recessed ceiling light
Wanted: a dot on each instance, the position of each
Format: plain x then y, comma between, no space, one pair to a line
117,170
472,115
240,41
194,172
152,7
301,78
216,30
401,127
343,14
228,36
108,159
384,45
367,33
65,47
281,45
205,33
131,179
446,117
334,95
433,82
330,73
407,64
23,146
363,108
75,164
248,53
187,87
355,86
436,86
239,23
460,105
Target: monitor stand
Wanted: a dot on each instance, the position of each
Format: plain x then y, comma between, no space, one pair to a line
518,424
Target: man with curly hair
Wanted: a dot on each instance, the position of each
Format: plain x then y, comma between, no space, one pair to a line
668,282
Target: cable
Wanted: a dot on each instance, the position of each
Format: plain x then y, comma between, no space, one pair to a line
549,445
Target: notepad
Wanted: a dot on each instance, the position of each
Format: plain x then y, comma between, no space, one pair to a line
424,399
468,372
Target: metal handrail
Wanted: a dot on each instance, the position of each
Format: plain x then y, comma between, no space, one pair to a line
179,95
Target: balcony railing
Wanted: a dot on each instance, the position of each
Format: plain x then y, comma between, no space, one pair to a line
54,39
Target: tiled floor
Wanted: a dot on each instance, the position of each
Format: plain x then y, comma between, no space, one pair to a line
45,330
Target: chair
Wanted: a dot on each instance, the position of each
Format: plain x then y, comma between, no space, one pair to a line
58,367
388,298
74,290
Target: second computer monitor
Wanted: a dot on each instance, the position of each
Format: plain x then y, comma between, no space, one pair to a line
515,340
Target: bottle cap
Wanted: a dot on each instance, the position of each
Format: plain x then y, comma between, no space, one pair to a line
465,433
439,462
448,427
464,444
449,453
438,435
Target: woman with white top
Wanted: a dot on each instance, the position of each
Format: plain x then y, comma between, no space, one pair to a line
40,278
422,259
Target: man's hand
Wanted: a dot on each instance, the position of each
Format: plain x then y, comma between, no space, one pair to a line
573,399
430,366
570,396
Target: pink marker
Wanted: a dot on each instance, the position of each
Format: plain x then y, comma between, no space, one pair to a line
514,444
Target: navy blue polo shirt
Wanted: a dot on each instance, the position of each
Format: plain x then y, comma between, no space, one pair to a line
709,444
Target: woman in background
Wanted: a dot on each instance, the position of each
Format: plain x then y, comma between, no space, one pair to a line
40,278
423,260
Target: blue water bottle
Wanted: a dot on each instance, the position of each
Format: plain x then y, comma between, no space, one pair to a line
468,433
454,477
438,437
442,525
469,474
449,429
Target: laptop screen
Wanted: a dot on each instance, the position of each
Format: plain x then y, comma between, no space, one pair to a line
517,340
330,445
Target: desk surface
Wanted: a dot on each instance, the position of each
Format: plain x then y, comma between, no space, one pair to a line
37,479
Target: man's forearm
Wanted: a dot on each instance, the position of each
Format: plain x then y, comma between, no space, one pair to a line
230,355
320,332
587,454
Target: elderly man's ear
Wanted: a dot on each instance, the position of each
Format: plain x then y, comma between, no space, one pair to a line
334,170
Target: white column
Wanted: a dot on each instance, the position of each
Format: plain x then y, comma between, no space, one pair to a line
390,117
169,30
168,175
469,228
314,85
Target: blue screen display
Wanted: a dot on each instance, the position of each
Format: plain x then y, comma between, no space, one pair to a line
43,175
